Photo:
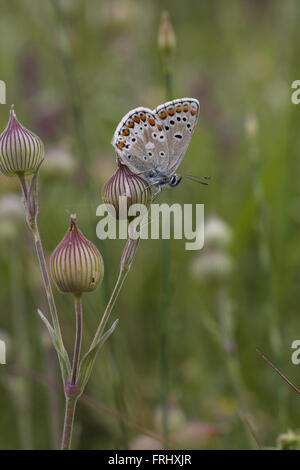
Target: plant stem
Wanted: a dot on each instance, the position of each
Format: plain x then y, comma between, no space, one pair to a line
165,304
22,397
43,267
72,392
78,339
121,278
68,423
125,266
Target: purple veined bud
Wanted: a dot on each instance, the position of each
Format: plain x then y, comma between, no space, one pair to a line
21,151
125,183
76,264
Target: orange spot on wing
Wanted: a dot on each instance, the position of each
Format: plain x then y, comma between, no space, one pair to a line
151,121
178,109
163,115
143,117
185,108
136,119
121,144
171,111
130,124
193,112
159,127
125,132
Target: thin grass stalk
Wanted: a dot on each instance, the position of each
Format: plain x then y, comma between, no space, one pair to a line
52,397
165,305
74,91
74,96
271,306
22,400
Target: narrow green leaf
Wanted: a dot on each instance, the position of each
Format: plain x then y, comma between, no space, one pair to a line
88,359
32,201
59,347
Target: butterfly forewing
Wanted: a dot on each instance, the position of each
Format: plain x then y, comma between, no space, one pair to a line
140,140
178,118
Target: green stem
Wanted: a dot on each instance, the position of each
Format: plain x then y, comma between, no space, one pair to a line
73,88
165,304
43,267
23,399
118,286
68,423
78,339
71,389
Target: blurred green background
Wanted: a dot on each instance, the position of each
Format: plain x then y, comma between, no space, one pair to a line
72,69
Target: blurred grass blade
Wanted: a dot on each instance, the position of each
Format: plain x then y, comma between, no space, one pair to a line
88,359
60,349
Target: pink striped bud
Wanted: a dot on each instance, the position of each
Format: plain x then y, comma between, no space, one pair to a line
125,183
76,264
21,151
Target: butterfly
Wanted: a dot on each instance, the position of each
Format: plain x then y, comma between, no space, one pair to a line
152,143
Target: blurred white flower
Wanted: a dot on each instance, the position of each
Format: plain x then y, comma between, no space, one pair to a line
251,125
59,163
197,434
216,232
142,442
176,417
11,207
213,265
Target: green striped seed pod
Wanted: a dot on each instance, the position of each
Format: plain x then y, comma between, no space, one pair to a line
124,183
21,151
76,264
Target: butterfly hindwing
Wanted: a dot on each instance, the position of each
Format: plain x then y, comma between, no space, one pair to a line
178,118
140,140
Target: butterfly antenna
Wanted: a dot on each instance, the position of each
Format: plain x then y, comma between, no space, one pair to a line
197,179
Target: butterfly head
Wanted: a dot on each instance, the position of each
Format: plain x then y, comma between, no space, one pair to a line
174,181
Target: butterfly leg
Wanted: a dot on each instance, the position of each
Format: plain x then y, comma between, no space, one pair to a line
155,195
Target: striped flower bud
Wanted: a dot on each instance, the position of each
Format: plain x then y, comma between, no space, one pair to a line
76,264
21,151
127,184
